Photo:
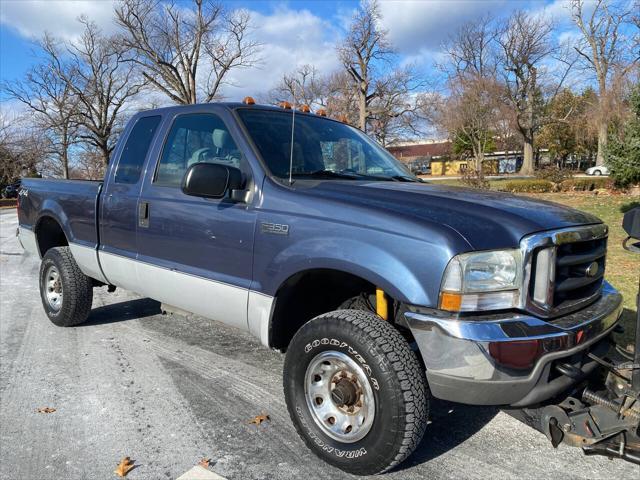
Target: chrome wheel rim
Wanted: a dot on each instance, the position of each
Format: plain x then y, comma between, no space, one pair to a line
53,288
339,396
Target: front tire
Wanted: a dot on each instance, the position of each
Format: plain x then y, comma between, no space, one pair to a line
597,173
355,391
65,291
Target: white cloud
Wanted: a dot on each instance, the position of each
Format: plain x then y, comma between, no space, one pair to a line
290,38
32,18
11,110
416,25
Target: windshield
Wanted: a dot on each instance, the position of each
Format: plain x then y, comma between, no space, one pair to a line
321,148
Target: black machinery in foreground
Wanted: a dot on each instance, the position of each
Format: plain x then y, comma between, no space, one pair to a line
603,415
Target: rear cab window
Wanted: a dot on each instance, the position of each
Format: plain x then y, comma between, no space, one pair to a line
135,150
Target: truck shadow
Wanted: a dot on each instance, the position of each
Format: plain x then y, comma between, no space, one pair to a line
450,424
122,311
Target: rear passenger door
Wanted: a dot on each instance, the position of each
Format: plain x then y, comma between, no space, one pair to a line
119,204
196,253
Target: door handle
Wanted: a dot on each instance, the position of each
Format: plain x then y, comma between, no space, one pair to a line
143,214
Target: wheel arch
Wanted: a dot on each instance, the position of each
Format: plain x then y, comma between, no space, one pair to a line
309,293
49,233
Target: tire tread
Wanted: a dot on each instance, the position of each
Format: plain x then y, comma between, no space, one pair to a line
407,369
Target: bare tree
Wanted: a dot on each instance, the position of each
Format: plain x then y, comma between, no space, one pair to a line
525,42
365,46
171,42
22,150
470,114
603,48
342,98
395,112
470,51
89,165
304,86
54,104
104,82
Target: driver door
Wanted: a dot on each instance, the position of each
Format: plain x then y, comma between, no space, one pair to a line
196,253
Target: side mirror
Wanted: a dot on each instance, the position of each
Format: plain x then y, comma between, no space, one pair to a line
211,180
631,223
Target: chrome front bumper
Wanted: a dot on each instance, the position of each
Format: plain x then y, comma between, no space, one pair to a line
483,360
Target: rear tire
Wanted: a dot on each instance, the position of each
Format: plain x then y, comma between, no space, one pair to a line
66,292
597,173
355,391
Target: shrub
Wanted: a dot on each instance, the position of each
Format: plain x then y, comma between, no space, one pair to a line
528,186
554,175
585,184
474,179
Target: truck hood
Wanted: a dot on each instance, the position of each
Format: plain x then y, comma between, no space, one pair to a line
486,219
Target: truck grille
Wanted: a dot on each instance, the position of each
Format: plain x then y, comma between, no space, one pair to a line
579,271
565,269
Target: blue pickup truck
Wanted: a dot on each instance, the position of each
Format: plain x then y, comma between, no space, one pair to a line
382,290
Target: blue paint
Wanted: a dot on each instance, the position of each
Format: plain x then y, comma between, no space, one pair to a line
399,236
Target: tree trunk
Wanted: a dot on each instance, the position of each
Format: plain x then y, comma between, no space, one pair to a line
362,111
602,141
104,152
65,164
527,162
479,159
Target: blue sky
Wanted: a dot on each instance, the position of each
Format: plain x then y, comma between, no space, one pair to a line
292,32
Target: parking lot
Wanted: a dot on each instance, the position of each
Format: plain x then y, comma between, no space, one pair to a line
168,391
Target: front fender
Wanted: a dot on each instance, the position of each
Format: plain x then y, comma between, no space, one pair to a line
407,268
366,261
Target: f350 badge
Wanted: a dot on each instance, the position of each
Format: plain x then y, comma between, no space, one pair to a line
274,228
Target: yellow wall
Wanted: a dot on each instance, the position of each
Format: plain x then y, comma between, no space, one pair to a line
446,167
456,167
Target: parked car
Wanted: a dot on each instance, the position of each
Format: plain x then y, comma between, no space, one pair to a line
11,190
383,291
597,170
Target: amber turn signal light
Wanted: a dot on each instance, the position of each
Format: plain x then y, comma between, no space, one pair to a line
450,301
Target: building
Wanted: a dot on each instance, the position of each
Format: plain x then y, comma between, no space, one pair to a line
408,151
436,155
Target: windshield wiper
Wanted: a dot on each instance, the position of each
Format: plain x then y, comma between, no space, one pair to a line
356,176
328,174
404,178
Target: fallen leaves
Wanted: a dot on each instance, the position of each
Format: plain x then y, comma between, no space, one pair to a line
205,462
124,467
46,410
258,419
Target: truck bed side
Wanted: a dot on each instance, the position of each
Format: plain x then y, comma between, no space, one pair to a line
53,213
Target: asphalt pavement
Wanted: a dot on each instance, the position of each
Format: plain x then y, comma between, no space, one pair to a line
168,391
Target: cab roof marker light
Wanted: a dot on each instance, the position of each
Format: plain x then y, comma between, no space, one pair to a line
248,101
285,105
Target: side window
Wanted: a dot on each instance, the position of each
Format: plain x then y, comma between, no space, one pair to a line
135,150
193,139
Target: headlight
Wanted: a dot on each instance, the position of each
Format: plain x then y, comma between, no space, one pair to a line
482,281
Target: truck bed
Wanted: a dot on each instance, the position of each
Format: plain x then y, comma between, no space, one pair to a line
73,202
